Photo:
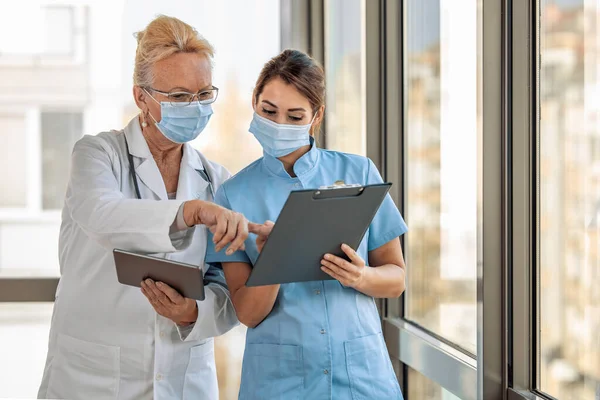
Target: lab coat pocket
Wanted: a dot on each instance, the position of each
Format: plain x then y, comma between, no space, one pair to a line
272,371
370,370
201,375
84,370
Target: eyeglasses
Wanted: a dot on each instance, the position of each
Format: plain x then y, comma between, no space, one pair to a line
180,99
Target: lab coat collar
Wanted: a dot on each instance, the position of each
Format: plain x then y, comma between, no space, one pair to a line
191,184
191,158
302,167
138,147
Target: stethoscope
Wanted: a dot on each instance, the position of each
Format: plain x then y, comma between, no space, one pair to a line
202,173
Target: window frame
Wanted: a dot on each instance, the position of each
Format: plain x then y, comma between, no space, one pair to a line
525,112
483,376
77,57
33,176
385,42
30,289
525,18
40,289
34,185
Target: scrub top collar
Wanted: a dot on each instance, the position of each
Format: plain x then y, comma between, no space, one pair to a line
303,166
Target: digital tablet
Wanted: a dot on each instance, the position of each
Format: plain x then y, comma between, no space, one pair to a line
133,268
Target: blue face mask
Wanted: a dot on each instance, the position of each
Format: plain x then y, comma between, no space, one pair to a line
180,124
279,140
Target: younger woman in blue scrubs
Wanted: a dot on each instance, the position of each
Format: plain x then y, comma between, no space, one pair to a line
309,340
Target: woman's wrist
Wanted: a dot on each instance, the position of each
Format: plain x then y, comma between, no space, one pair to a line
363,284
191,211
190,317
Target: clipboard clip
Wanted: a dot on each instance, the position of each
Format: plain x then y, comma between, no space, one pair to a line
339,185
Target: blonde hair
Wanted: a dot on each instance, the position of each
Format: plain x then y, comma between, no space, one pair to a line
163,37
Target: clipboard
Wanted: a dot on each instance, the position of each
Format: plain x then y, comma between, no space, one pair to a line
133,268
311,224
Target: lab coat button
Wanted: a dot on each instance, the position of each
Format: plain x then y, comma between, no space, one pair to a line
158,377
325,372
162,334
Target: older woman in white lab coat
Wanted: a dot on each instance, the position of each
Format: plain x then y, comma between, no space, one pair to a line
144,189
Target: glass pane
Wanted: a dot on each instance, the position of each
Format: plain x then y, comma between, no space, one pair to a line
442,113
24,329
50,29
422,388
13,160
13,19
60,131
569,200
58,32
345,75
18,235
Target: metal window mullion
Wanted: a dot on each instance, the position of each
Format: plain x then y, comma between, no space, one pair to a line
491,242
316,33
392,95
523,148
317,43
372,53
294,25
392,149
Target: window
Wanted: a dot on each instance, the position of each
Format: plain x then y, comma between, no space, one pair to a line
35,159
58,30
54,33
442,104
60,131
345,76
569,200
13,158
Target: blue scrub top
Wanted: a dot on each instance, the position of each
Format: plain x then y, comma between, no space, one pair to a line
321,340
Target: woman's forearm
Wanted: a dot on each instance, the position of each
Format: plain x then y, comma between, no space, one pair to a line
253,304
386,281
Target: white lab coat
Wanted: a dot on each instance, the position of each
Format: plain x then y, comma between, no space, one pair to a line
106,341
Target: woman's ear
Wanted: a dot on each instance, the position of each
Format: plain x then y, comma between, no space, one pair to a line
320,114
139,96
316,123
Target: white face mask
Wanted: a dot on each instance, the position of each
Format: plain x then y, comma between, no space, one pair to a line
279,140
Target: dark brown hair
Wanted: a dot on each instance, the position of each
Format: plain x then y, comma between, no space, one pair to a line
300,70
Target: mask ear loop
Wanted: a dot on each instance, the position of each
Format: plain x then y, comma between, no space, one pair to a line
311,125
314,117
149,113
